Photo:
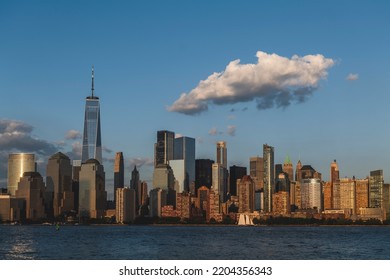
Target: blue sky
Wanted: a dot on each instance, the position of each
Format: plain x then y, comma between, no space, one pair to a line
147,53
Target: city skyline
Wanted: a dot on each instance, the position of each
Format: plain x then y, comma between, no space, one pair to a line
54,54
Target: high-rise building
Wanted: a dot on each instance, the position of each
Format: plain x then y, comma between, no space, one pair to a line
164,147
135,184
298,174
92,192
184,150
269,176
348,195
281,203
219,180
376,189
203,174
288,168
158,199
59,183
222,154
75,182
17,165
31,188
311,190
125,205
334,176
235,173
246,194
143,195
163,177
328,196
92,142
256,171
119,173
361,194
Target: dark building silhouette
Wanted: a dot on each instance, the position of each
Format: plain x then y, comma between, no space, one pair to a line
119,173
203,173
236,172
164,146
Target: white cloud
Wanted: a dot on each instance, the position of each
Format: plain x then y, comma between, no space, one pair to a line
231,130
73,134
274,81
352,77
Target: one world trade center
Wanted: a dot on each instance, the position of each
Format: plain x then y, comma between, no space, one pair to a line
92,142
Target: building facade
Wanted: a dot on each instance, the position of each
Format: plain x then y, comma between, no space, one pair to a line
269,176
17,165
119,173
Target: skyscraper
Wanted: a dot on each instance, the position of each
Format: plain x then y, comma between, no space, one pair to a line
92,143
269,176
236,172
93,196
59,183
183,164
256,171
375,188
119,173
164,147
203,175
135,184
17,165
222,154
288,168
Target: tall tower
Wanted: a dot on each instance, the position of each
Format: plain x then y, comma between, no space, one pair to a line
164,147
222,153
298,173
183,164
269,176
119,173
92,143
288,168
334,172
17,165
59,183
135,185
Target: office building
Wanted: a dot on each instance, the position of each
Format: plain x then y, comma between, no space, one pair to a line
375,194
92,192
203,174
311,194
125,211
222,154
288,168
361,194
348,195
158,199
298,174
92,143
246,194
219,180
256,171
31,188
184,150
59,184
164,147
17,165
119,173
163,177
235,173
269,177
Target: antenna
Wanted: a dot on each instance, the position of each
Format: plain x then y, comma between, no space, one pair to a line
93,76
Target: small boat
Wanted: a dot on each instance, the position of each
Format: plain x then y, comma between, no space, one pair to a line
245,220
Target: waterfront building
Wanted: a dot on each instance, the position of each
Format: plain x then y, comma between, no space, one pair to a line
158,199
143,195
269,177
246,194
328,197
18,163
59,184
336,194
125,207
235,173
183,205
119,173
184,149
376,189
164,147
288,168
334,176
76,167
222,154
163,177
214,204
361,193
311,194
31,188
92,192
281,203
12,208
92,143
256,171
348,195
203,173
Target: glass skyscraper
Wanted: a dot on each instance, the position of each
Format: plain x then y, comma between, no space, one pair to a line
92,143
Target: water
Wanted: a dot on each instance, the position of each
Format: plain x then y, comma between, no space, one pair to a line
194,242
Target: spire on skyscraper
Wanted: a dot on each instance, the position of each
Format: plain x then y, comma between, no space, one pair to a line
92,87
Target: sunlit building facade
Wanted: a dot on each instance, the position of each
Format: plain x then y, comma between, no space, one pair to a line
18,163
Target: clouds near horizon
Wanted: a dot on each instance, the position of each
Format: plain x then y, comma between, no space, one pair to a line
274,81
